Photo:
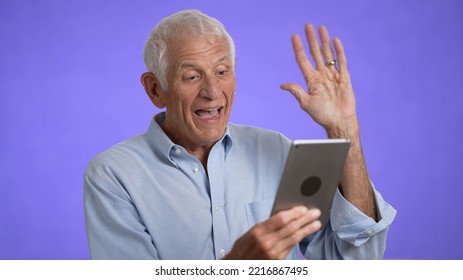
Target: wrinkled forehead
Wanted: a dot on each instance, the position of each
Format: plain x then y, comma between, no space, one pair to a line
189,39
190,44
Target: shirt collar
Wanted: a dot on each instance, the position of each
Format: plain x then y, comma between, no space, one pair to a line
161,144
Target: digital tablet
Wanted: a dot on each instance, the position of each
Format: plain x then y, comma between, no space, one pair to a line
311,175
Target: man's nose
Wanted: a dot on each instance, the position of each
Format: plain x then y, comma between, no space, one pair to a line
211,88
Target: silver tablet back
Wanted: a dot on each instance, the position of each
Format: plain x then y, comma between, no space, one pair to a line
312,173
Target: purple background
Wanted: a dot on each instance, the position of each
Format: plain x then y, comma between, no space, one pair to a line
69,88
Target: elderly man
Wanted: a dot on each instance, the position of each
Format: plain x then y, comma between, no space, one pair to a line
197,187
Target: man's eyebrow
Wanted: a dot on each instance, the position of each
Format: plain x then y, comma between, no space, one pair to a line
187,65
222,58
192,65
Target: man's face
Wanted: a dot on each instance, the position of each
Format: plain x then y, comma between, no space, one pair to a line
201,86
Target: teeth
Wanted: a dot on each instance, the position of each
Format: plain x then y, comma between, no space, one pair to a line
208,113
209,110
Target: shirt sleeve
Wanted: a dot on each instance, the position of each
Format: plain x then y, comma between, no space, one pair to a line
115,229
351,234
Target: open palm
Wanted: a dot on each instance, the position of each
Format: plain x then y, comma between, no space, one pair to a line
329,99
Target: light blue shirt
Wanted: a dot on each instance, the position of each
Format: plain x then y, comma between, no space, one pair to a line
147,198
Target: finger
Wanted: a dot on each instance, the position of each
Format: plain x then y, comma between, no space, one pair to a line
341,56
261,240
282,218
291,234
307,217
314,46
296,90
301,58
278,243
288,243
326,46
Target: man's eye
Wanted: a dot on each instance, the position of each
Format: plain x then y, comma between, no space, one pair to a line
192,78
222,73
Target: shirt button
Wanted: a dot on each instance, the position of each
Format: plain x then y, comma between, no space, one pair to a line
178,151
196,170
217,208
222,253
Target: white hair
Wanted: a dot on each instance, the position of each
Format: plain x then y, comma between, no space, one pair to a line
185,23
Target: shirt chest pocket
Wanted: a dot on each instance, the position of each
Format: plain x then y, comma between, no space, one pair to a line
258,211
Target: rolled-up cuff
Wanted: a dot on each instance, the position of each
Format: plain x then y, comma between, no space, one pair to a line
352,225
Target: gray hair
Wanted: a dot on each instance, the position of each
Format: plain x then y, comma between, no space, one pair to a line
184,23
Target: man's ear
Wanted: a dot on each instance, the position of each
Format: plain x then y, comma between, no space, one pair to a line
153,89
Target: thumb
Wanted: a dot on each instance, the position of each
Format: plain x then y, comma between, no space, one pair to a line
295,90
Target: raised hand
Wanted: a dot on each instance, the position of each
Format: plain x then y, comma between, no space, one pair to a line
329,99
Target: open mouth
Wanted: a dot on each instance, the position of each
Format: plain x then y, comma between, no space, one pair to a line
209,113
